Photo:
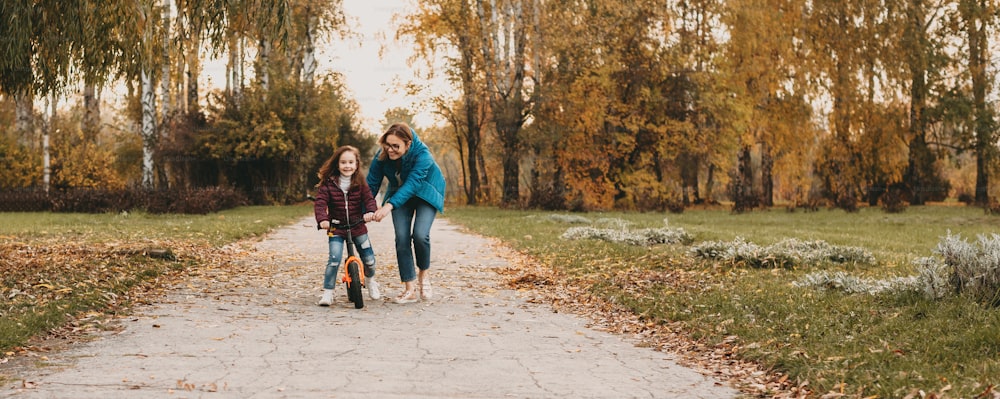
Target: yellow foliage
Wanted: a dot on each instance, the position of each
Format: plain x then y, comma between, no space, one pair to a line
77,163
21,168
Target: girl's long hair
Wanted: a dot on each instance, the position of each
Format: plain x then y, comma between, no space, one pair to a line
331,167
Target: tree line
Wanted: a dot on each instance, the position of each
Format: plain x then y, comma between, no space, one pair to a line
659,104
581,105
265,133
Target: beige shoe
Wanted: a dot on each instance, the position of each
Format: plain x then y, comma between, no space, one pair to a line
407,297
426,291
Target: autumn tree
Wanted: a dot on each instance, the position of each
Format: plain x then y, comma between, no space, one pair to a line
451,27
975,18
504,42
762,56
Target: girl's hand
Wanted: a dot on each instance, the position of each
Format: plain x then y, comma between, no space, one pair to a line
383,211
369,216
325,225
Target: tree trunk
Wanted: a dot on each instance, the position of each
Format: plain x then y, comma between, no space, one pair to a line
165,102
710,183
511,165
90,124
148,129
47,132
766,176
473,126
743,196
234,67
309,55
920,158
263,64
25,111
193,71
975,30
505,72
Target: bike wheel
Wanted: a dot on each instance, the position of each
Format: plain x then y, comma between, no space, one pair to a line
354,286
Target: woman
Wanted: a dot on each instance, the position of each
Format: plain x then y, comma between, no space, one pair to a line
414,196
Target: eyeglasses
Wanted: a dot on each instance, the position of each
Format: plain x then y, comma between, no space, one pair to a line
393,147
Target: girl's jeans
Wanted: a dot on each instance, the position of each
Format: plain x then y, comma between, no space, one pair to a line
412,223
364,251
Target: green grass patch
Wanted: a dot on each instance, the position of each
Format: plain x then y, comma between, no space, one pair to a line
56,266
887,344
213,229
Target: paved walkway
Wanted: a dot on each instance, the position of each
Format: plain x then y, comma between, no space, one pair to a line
259,334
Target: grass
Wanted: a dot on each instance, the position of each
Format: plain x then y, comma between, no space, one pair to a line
213,229
885,345
55,267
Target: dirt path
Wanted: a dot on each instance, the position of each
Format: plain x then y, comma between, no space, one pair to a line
259,334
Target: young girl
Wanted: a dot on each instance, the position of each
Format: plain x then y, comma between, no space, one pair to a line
344,197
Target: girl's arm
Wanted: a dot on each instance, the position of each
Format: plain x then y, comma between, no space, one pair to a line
320,206
368,200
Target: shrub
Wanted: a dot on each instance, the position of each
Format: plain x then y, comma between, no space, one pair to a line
974,269
892,201
91,200
841,281
992,208
966,198
932,277
193,201
189,201
649,236
785,253
24,200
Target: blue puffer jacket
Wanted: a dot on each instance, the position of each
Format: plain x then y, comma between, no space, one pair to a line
416,174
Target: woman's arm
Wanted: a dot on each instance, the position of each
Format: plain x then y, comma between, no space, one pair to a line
417,175
375,175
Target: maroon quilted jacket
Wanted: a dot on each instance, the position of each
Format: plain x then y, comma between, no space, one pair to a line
330,205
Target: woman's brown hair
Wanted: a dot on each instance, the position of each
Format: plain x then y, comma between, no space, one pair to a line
331,168
399,129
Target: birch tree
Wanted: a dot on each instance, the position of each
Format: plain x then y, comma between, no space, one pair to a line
452,27
505,27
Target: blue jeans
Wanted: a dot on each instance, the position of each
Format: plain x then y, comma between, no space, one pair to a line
364,251
412,223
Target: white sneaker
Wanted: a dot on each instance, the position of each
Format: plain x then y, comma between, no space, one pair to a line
426,291
327,298
373,290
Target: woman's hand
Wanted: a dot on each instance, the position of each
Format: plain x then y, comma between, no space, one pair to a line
382,212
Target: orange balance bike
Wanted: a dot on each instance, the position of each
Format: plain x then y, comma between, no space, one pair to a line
354,276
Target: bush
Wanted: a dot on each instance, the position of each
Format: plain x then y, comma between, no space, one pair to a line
91,200
892,201
966,198
187,201
784,254
993,208
975,269
641,237
193,201
24,200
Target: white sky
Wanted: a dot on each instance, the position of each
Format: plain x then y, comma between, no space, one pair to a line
374,66
371,79
370,76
